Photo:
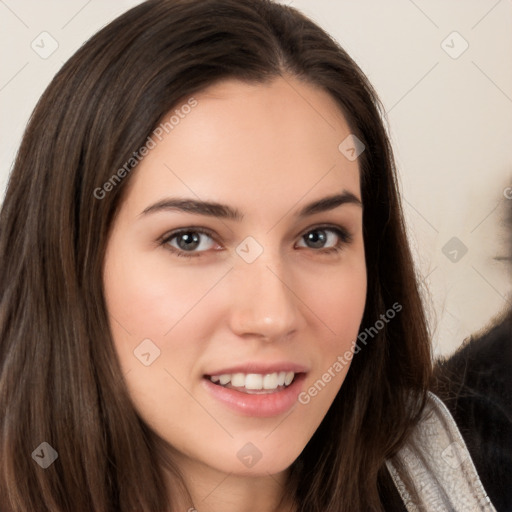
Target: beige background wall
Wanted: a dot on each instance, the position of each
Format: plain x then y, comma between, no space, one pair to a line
443,71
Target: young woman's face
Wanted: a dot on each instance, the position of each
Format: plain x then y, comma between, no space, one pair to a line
213,307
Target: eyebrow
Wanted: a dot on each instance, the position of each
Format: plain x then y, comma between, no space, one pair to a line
213,209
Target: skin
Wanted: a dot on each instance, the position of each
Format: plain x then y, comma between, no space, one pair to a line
266,150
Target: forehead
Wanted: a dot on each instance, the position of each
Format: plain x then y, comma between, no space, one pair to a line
275,142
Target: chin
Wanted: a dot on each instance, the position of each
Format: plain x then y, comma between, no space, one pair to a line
256,459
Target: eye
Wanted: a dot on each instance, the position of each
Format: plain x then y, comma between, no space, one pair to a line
191,241
326,238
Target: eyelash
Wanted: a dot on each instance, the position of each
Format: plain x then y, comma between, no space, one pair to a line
344,236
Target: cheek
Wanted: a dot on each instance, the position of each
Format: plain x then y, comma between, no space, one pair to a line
148,296
338,297
148,303
153,310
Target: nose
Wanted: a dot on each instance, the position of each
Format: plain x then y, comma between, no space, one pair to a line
263,303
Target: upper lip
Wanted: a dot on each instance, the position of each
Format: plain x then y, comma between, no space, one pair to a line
261,368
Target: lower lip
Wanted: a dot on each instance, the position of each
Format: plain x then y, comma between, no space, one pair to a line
260,405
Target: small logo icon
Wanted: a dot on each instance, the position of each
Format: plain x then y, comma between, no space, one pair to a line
454,45
45,455
249,250
249,455
454,455
44,45
147,352
454,250
351,147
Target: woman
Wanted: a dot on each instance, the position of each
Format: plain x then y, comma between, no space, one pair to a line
202,217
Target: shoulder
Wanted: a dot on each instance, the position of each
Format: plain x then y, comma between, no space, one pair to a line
475,384
433,470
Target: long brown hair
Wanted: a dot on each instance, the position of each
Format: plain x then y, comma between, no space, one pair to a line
60,381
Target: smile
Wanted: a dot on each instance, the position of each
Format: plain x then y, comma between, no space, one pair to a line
254,383
261,395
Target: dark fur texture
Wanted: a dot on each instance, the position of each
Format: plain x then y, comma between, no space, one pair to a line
476,385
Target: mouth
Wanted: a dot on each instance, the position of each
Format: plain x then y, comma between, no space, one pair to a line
264,395
255,383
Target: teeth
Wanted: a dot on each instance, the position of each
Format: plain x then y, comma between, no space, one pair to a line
224,379
254,381
238,380
270,381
